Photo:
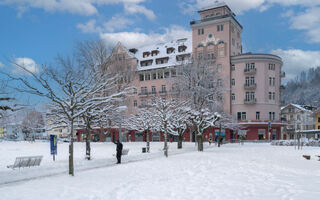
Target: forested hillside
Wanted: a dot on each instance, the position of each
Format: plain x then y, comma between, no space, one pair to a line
304,89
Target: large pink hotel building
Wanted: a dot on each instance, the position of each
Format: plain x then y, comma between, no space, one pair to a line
253,81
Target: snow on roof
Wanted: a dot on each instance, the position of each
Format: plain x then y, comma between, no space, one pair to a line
216,4
161,49
300,107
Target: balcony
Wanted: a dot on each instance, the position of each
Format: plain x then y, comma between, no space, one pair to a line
164,92
250,71
250,101
143,94
152,93
250,87
282,87
282,74
174,91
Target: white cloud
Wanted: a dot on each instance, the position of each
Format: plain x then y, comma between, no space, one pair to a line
137,39
82,7
308,21
2,65
296,60
89,27
116,23
131,8
27,63
244,5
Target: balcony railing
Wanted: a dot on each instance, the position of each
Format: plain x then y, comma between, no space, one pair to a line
282,74
152,93
143,94
250,86
282,87
163,92
250,101
250,71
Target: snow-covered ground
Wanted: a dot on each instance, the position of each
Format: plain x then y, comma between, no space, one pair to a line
251,171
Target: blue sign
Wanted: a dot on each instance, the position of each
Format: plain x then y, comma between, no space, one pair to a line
53,144
269,125
216,133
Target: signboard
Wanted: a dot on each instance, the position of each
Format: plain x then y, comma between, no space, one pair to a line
53,144
269,125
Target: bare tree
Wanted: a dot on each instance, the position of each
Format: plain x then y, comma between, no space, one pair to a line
199,81
145,120
32,123
71,87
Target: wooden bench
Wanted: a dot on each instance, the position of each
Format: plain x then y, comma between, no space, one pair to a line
26,161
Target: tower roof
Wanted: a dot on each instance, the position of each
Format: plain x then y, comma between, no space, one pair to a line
216,4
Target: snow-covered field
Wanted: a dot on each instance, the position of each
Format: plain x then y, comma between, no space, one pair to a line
251,171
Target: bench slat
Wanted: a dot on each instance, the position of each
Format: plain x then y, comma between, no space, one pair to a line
26,161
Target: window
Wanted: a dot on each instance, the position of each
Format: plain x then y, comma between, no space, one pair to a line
210,35
271,115
233,42
272,66
257,115
239,115
233,97
219,82
220,27
270,95
243,116
273,81
148,77
233,67
247,81
270,81
252,66
318,119
219,67
247,67
233,82
173,73
252,95
273,95
232,28
144,90
166,74
160,75
141,77
135,103
247,96
163,87
291,117
153,89
134,90
199,55
251,80
238,34
298,117
154,76
200,31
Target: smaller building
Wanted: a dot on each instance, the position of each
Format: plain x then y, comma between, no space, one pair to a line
298,118
317,118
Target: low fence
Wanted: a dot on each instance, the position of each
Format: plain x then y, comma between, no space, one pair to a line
303,142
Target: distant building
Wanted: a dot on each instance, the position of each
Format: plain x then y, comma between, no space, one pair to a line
298,117
14,132
317,118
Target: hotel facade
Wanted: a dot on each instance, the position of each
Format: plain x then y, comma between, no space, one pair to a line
252,81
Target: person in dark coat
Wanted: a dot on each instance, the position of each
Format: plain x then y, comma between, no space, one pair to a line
119,151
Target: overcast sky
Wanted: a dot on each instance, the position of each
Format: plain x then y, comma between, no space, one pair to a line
35,31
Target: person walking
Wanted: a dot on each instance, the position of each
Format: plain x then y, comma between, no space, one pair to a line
119,151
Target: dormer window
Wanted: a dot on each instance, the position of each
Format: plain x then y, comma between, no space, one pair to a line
210,43
146,63
133,50
170,50
182,48
146,54
162,60
154,52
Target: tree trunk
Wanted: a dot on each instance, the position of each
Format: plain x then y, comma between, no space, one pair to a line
200,142
101,133
71,169
148,141
219,137
180,136
88,148
165,140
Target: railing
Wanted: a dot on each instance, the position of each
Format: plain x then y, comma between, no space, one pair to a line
250,71
164,92
282,87
143,94
250,87
209,19
282,74
250,101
